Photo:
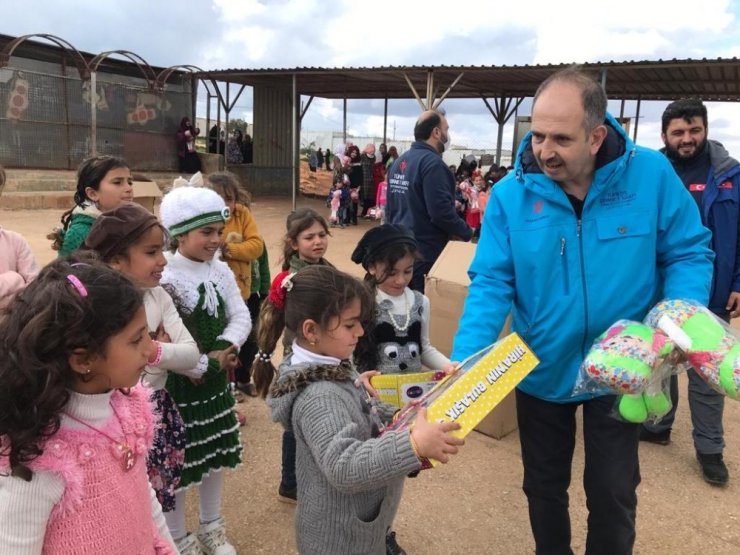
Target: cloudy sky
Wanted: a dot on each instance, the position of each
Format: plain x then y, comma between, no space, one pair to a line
219,34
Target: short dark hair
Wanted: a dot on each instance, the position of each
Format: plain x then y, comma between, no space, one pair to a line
424,127
593,96
686,109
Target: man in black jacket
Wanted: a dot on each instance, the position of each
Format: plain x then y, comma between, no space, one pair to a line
421,194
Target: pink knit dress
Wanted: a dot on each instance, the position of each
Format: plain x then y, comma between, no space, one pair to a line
104,509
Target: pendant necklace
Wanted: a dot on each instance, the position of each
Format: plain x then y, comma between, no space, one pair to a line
128,457
401,327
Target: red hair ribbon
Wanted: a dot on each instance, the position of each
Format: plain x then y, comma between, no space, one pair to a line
280,285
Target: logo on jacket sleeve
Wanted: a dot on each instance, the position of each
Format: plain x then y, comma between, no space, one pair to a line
538,206
725,185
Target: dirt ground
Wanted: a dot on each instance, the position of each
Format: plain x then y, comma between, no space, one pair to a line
475,504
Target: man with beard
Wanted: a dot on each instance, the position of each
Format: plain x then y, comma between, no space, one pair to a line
713,179
421,194
589,229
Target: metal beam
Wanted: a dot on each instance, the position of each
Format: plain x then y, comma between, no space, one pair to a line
448,91
413,90
637,119
305,108
294,112
385,120
344,121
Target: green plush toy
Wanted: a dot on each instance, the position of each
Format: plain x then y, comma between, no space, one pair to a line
625,360
710,346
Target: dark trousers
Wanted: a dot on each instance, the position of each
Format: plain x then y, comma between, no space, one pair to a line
547,432
351,214
288,478
421,269
249,349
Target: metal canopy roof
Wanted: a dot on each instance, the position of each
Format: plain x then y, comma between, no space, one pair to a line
712,80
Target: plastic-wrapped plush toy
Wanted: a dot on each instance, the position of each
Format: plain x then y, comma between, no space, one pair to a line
708,343
626,360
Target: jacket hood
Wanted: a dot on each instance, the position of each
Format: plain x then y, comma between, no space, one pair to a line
616,143
720,159
293,379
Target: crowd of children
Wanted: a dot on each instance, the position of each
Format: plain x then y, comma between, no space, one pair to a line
119,360
472,190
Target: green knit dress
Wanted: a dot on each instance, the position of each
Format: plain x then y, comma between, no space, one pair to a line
208,408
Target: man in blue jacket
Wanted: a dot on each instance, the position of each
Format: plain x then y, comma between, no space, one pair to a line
588,229
712,177
421,194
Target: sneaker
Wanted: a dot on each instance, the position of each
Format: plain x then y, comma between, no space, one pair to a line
212,537
288,495
391,545
713,468
189,545
658,438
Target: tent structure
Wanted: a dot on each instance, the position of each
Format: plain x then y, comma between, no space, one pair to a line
277,92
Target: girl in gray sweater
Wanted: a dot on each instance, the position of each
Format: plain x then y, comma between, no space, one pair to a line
350,476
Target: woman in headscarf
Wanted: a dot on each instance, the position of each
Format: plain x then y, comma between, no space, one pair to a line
189,162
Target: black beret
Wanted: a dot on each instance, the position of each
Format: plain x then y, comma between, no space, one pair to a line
379,237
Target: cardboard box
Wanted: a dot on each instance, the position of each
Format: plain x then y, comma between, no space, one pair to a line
447,287
400,389
482,382
147,194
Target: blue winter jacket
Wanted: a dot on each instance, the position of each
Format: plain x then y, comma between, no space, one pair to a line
719,212
565,280
421,196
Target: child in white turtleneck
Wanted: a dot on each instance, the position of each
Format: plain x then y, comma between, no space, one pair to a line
75,428
130,239
399,341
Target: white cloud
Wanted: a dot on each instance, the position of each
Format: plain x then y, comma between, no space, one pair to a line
220,34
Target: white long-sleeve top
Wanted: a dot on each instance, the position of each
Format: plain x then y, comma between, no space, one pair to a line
430,356
187,275
181,355
25,507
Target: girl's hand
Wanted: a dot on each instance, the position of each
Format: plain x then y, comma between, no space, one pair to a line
161,335
449,368
432,439
365,379
227,358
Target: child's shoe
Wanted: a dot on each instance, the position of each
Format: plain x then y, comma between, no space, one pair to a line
189,545
288,495
212,537
391,545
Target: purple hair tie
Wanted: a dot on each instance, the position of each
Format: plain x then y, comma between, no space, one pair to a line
74,280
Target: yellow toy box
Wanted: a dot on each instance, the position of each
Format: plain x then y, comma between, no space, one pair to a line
400,389
479,384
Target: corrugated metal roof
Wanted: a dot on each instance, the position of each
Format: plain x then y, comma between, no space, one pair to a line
710,79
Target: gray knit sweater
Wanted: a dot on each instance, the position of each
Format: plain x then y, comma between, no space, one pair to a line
350,479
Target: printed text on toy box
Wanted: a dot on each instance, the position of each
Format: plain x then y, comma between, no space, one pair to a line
478,389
